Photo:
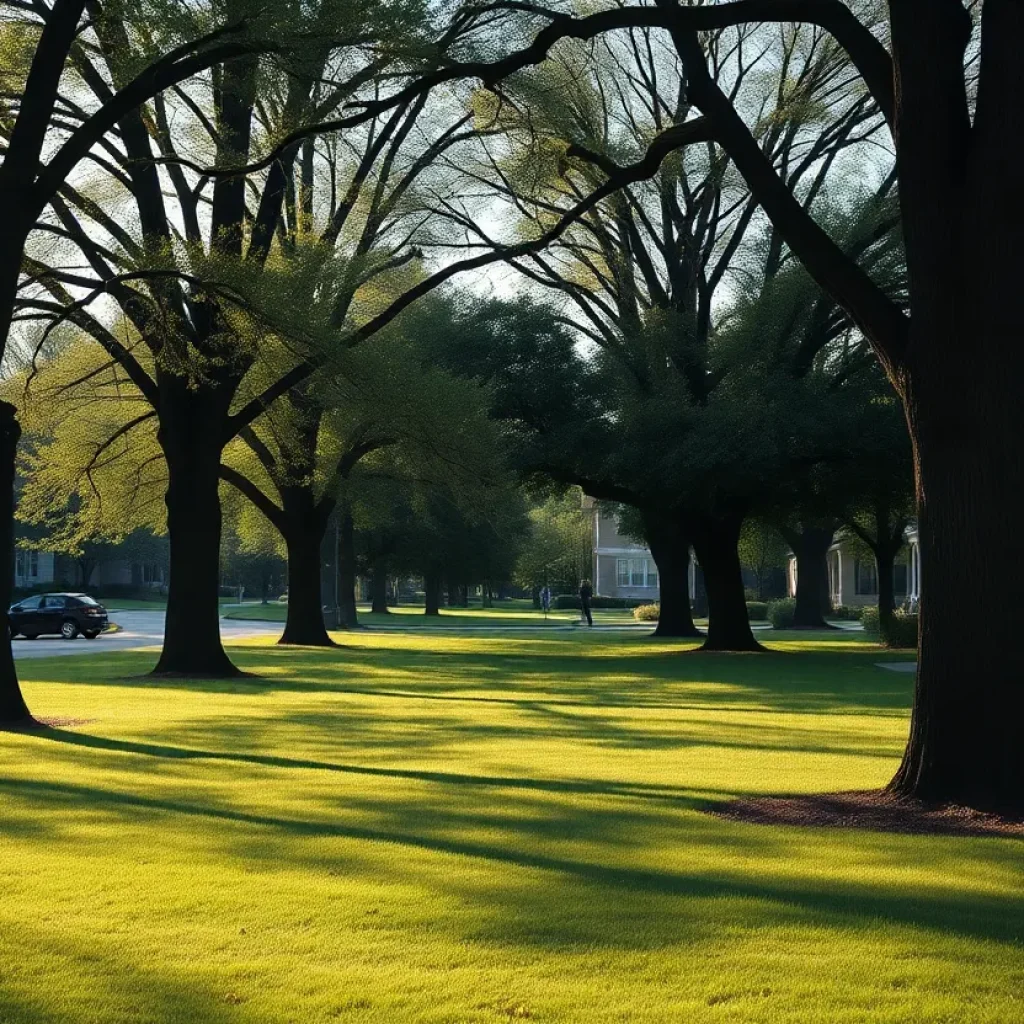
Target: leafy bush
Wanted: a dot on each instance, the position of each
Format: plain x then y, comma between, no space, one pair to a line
902,632
757,610
846,612
570,601
782,613
647,612
869,619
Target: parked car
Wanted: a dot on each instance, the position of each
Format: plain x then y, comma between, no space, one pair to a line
64,615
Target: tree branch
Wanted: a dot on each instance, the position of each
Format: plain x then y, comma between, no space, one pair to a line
881,321
243,484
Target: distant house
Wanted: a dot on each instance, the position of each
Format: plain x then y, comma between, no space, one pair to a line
622,567
853,575
34,568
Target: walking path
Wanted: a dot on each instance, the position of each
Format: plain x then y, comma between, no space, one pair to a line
138,629
146,629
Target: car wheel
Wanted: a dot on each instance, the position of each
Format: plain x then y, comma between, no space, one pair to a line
91,635
68,629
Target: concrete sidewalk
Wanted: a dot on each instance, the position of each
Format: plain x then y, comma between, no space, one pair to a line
138,629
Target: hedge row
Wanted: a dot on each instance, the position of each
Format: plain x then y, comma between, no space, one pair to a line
756,611
563,601
902,633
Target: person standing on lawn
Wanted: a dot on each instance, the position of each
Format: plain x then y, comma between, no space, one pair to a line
545,599
586,596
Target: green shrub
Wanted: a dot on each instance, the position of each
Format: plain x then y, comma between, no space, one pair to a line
902,632
757,610
782,613
570,601
869,619
647,612
846,612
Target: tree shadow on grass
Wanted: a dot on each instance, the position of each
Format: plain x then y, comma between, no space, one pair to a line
156,996
624,673
995,916
647,791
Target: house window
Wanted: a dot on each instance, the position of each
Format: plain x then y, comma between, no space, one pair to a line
27,565
636,572
622,572
150,573
900,579
865,577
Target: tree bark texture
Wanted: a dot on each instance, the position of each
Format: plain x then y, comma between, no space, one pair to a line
432,593
304,624
715,540
190,425
810,546
304,523
349,618
671,550
960,384
379,590
13,709
965,741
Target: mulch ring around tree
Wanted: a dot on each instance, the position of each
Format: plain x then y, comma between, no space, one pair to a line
875,810
41,724
64,723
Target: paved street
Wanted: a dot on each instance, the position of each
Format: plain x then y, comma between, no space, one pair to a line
140,629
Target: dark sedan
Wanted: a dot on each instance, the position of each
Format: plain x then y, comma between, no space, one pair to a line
64,615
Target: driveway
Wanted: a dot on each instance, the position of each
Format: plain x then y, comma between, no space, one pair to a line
139,629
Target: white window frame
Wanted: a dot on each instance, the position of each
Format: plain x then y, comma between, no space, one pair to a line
629,570
26,564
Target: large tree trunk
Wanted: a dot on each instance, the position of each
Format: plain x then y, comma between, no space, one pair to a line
715,539
304,624
191,424
86,567
885,558
349,618
379,590
960,383
966,741
810,545
432,593
13,709
671,550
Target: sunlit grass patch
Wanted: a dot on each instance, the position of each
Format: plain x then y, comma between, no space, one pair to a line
440,828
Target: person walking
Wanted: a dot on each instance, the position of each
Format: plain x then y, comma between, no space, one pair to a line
586,596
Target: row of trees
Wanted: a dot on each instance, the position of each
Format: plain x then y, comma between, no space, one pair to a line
731,205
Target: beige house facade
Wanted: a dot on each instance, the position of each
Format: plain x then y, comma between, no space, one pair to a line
621,567
853,574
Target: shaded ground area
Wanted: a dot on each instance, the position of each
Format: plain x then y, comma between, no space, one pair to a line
876,810
436,829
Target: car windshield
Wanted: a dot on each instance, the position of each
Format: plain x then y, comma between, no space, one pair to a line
86,599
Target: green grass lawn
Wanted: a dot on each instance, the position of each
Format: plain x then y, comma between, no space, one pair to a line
446,829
